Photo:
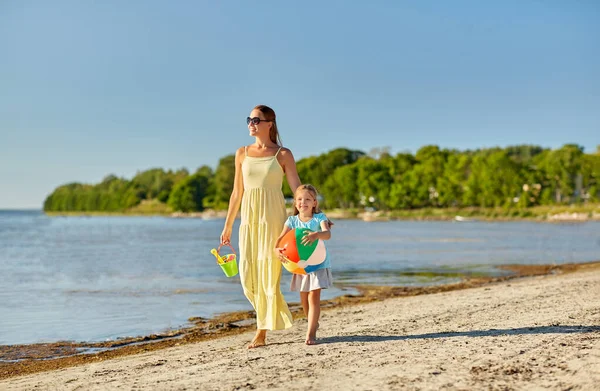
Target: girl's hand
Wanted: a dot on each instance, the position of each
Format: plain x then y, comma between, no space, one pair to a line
226,236
308,239
280,255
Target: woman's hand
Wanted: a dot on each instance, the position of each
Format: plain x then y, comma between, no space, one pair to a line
226,236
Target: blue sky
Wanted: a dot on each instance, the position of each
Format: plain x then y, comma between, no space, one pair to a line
90,88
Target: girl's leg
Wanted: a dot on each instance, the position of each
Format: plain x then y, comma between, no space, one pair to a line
304,302
260,339
314,312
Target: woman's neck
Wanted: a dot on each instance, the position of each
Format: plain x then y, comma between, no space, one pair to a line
264,143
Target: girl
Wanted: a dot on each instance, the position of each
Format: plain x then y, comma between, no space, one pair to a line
308,215
259,171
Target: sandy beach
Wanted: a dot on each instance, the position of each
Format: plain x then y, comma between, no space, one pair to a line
529,333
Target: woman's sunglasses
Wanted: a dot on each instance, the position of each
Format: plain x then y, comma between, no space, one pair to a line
255,120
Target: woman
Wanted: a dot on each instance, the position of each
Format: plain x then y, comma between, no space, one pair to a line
259,171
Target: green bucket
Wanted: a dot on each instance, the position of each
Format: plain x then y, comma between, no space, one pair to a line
228,262
230,268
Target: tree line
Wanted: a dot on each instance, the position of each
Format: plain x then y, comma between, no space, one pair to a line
515,176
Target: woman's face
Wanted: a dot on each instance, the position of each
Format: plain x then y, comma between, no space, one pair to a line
305,202
260,128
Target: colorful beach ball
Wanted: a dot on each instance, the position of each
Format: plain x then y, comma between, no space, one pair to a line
304,258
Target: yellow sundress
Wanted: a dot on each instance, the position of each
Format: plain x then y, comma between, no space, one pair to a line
262,217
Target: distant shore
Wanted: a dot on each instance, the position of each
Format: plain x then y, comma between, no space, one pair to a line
502,333
573,213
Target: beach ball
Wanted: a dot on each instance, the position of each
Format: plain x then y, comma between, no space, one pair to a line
303,257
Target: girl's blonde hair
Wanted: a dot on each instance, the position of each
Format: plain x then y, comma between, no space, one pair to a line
269,114
313,192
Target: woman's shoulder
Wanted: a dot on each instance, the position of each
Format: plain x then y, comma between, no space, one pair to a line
285,157
285,152
241,151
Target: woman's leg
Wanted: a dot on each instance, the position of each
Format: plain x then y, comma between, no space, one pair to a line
260,339
314,312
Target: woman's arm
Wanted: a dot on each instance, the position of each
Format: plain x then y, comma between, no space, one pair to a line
288,163
235,199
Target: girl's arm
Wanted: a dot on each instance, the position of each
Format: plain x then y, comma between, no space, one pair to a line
324,234
286,229
235,199
282,258
288,163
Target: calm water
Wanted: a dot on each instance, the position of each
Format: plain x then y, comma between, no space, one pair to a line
92,279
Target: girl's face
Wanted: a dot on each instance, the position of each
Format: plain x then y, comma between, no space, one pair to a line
260,128
305,202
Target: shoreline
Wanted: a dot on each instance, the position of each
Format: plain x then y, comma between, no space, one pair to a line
545,214
38,358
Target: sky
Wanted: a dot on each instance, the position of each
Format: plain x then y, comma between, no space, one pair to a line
92,88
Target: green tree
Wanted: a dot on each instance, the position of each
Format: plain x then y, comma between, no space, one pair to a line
188,195
209,197
561,168
493,181
450,185
400,193
374,180
317,169
223,182
346,178
422,179
341,188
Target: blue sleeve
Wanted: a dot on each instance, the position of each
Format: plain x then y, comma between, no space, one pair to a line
290,222
320,217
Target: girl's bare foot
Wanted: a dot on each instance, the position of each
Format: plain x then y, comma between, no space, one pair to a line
259,339
310,340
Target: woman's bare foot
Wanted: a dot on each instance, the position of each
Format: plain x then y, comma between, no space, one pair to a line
311,340
259,339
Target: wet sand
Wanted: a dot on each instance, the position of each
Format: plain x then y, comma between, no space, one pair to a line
503,333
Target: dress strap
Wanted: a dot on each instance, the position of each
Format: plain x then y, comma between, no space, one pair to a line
277,153
246,150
